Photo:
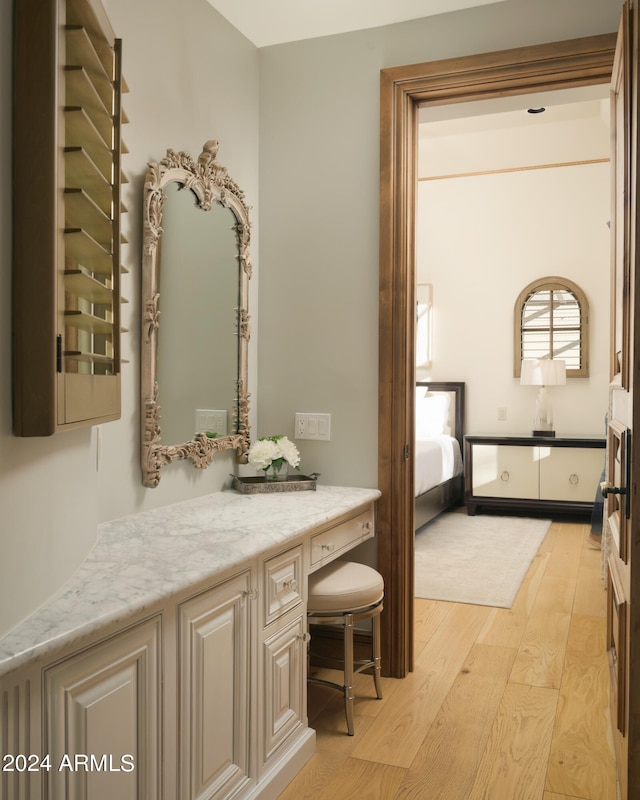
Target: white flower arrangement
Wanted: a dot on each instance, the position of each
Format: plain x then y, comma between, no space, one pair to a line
273,451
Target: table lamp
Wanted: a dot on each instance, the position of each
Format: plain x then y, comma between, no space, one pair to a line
543,372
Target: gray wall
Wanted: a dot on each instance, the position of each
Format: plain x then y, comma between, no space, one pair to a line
319,155
192,77
313,108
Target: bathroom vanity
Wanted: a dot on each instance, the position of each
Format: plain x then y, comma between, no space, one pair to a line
173,663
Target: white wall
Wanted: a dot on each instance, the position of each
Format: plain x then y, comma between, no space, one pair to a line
482,239
192,77
319,157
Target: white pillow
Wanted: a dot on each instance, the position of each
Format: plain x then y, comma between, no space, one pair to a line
432,414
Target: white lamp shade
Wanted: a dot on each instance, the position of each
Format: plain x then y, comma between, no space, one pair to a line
543,372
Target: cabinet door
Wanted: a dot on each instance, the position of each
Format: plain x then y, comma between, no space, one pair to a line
103,719
215,693
568,473
504,471
284,685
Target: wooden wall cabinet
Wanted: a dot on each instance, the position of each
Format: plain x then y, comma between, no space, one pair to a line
67,147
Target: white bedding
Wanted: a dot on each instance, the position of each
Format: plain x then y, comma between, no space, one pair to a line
436,460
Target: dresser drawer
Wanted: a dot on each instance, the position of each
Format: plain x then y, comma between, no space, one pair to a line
505,471
329,544
282,584
568,473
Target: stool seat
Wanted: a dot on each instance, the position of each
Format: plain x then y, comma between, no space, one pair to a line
344,586
345,593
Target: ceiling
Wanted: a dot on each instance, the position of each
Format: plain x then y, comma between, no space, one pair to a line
266,22
499,134
269,22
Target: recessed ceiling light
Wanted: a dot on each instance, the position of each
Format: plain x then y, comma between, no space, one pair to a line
535,110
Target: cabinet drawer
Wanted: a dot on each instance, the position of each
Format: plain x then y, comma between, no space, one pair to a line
568,473
505,471
329,544
282,584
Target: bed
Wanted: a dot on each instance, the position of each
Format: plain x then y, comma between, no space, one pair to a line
438,473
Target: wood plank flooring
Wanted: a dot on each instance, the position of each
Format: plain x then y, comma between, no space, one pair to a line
503,704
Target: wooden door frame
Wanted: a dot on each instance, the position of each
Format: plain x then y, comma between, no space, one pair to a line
558,65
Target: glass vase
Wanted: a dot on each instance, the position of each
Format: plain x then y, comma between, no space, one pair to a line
277,472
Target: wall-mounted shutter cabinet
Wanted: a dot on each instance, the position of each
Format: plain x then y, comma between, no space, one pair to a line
67,173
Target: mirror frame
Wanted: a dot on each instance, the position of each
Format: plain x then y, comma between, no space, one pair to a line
211,184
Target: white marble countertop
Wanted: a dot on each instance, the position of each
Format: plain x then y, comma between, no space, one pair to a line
147,557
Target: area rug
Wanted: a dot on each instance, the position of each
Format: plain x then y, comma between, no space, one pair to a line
480,559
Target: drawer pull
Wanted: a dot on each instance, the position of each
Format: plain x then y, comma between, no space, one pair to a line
328,547
292,585
250,594
304,637
504,476
367,525
573,479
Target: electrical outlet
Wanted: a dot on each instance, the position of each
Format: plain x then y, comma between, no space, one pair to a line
312,426
502,413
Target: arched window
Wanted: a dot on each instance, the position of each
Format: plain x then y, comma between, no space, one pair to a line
552,321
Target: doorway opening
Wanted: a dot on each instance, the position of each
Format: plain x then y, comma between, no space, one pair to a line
405,91
506,197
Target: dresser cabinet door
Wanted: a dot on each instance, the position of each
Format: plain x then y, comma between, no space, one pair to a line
568,473
103,719
215,691
505,471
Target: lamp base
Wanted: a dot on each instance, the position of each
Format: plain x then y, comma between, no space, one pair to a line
543,433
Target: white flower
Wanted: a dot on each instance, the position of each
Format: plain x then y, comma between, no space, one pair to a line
262,453
289,451
273,450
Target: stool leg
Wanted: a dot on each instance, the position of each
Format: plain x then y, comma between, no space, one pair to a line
348,672
376,656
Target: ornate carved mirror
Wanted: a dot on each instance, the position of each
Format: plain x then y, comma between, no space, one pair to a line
195,331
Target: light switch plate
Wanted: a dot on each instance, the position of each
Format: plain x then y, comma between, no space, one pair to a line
313,426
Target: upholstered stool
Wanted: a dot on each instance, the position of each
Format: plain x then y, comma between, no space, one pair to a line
345,593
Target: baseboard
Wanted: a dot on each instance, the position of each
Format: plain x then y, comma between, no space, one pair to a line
283,770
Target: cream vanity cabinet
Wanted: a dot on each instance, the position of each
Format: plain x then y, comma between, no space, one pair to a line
102,718
214,690
544,473
197,674
200,695
89,724
282,666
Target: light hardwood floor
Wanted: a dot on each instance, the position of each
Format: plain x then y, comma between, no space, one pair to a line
503,704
